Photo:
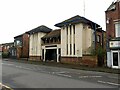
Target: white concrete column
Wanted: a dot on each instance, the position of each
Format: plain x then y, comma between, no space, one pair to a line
72,40
68,40
44,55
57,54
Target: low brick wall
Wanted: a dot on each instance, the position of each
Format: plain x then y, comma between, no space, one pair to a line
85,60
89,60
35,58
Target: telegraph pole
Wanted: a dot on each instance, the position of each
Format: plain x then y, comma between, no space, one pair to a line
84,7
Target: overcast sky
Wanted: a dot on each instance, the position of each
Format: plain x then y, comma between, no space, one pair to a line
19,16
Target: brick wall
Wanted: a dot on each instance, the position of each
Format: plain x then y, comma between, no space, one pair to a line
25,48
112,15
35,58
19,52
85,60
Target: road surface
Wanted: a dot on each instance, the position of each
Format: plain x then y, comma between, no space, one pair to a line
22,75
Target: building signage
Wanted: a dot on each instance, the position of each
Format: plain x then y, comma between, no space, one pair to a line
114,44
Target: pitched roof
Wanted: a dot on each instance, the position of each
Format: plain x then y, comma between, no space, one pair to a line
11,43
41,28
18,36
76,19
54,34
111,7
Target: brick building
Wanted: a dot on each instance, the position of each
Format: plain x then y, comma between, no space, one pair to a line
113,34
6,49
21,46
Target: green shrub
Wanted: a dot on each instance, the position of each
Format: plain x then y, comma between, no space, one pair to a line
5,54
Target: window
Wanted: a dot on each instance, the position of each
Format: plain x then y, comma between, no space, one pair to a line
70,49
67,49
67,30
70,30
117,29
18,43
74,49
74,29
7,47
98,38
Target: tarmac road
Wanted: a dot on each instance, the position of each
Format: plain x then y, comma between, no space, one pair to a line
21,75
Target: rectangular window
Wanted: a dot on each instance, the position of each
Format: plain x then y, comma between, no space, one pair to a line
74,49
70,30
74,29
98,38
117,29
70,49
67,49
67,30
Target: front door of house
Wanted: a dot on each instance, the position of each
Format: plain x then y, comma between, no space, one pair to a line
115,59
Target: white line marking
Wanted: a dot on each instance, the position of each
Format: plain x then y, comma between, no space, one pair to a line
109,83
64,75
113,77
90,76
7,64
61,72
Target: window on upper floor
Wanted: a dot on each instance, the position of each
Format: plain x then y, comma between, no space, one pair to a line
74,29
18,43
98,38
7,47
117,29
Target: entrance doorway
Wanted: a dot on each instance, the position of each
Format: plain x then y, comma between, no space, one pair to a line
51,55
115,59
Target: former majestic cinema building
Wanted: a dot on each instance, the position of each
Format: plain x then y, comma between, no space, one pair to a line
72,43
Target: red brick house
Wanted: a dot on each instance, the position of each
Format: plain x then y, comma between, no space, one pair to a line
113,34
21,46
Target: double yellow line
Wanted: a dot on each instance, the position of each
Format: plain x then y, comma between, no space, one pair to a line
2,87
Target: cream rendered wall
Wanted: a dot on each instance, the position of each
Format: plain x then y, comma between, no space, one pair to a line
78,41
87,40
35,48
63,41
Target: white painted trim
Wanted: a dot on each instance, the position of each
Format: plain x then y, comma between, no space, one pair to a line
112,51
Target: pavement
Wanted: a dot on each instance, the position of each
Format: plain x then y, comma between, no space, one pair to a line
22,75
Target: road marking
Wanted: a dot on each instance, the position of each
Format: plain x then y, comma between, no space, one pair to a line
64,75
90,76
5,59
7,64
113,77
109,83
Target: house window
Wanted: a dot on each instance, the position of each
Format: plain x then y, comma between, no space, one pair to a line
98,38
70,30
74,29
67,30
67,49
74,49
7,47
117,29
70,49
18,43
